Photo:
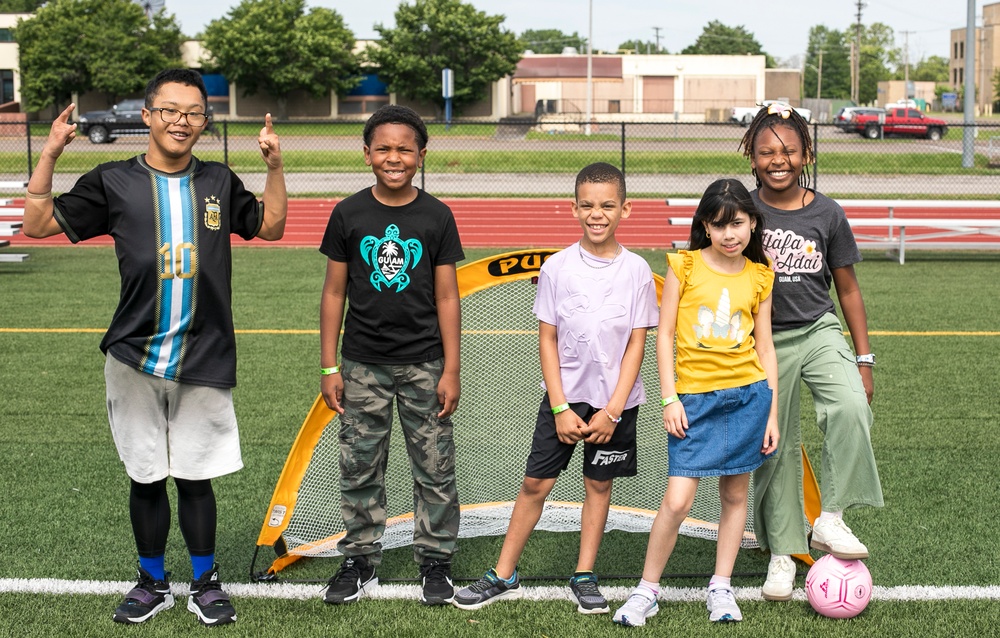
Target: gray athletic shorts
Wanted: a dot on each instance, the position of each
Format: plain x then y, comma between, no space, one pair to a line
163,428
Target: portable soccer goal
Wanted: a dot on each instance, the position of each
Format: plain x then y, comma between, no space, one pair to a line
501,388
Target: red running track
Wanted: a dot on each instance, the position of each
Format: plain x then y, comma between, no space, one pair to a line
521,223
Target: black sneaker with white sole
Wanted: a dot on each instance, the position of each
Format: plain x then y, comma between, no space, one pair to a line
436,585
349,583
589,598
208,602
148,598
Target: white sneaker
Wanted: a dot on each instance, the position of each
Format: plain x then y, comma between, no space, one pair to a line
722,606
835,537
636,610
780,579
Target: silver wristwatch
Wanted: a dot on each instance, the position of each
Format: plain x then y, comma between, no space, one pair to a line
866,360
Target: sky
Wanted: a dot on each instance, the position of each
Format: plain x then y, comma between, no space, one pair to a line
781,26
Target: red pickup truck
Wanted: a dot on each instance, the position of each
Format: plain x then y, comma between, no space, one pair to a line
899,121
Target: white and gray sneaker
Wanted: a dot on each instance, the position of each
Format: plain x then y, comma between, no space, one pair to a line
636,610
722,606
780,579
833,536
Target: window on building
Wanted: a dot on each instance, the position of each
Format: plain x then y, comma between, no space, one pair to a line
6,35
961,50
6,86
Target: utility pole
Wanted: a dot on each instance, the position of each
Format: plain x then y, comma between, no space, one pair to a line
906,61
856,84
819,76
657,30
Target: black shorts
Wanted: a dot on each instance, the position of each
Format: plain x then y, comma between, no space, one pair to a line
549,456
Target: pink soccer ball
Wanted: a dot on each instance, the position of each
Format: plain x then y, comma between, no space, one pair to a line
838,588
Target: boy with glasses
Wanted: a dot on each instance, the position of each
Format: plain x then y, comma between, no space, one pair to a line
171,347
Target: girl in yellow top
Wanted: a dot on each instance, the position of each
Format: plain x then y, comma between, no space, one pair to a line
721,412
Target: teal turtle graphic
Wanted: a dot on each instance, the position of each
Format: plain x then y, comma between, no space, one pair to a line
390,257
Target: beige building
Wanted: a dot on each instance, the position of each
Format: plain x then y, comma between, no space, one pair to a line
986,54
646,87
895,92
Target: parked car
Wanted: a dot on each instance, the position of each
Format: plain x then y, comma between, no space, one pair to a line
745,114
843,117
124,118
899,121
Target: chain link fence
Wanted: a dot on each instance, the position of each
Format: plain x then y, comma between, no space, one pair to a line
534,159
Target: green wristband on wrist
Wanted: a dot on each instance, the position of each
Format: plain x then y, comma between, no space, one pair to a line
562,407
673,398
330,370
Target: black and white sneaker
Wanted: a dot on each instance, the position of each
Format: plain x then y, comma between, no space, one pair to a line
148,598
588,597
208,602
437,588
349,583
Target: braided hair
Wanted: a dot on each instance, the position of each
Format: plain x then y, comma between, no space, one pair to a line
780,115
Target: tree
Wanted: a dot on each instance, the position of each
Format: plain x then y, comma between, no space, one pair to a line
552,41
719,39
836,64
274,47
932,69
431,35
878,55
20,6
638,46
74,46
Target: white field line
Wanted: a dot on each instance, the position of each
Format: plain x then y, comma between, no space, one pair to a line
290,591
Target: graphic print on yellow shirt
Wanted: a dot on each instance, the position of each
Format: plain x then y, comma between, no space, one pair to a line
717,328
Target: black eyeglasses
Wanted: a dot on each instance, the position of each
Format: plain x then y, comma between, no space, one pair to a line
173,116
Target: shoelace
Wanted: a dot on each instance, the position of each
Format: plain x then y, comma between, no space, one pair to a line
349,571
484,583
434,572
588,587
720,597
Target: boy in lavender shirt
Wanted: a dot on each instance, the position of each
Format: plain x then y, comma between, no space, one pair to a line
594,302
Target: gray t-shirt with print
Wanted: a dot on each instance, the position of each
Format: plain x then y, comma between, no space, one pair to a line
805,245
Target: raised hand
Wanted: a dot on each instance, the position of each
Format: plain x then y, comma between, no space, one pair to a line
270,148
61,133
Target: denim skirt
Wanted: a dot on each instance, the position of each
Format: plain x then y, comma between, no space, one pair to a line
725,432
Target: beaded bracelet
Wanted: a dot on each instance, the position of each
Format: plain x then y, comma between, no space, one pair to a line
613,419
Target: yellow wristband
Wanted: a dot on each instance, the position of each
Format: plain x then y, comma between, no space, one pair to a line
330,370
673,398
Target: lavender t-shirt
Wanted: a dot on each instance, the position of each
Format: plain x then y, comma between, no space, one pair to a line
595,304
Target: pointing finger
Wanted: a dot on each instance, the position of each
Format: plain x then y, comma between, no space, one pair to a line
268,126
64,116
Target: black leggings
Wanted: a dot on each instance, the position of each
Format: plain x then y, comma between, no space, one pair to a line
149,510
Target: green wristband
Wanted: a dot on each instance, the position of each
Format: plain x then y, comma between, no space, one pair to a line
330,370
673,398
560,408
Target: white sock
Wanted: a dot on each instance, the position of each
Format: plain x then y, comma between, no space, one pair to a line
719,582
648,589
827,517
776,557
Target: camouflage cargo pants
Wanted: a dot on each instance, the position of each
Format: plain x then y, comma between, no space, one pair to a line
365,427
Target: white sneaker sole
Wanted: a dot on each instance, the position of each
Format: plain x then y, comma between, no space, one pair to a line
823,547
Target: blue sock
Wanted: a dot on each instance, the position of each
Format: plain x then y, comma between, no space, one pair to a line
155,567
202,564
